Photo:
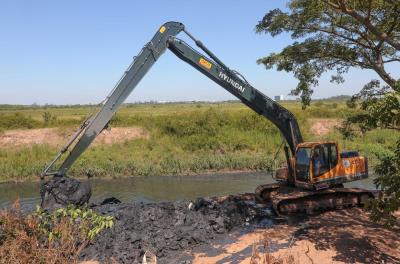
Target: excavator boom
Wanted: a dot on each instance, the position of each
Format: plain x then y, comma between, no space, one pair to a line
209,65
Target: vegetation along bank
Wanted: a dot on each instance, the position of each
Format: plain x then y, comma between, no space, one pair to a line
169,139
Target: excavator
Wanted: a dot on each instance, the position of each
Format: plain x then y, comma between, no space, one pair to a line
315,172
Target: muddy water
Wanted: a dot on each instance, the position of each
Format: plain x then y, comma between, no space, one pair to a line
154,188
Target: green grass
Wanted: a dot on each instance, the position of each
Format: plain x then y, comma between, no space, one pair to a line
184,139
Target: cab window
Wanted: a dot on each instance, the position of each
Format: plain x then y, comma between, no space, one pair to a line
333,154
324,158
303,164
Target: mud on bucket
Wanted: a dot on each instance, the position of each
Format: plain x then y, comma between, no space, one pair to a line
61,191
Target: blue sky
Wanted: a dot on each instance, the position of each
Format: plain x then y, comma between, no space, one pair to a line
69,52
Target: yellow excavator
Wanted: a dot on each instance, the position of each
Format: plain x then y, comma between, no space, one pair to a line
315,172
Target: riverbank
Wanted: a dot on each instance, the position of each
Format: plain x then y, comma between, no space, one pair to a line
343,236
232,229
129,177
163,216
224,229
167,139
235,231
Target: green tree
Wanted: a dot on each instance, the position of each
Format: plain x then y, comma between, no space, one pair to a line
388,180
334,36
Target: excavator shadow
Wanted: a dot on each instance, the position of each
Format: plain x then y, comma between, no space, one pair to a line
352,235
347,236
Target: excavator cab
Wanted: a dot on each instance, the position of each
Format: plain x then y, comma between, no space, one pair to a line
320,165
314,161
324,159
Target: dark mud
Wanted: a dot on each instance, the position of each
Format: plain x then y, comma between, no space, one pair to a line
2,237
168,229
61,191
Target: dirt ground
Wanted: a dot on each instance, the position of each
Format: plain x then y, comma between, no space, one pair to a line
322,127
57,137
345,236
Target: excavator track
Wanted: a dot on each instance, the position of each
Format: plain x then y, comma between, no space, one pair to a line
263,192
287,200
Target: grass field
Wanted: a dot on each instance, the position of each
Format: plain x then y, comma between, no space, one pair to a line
183,138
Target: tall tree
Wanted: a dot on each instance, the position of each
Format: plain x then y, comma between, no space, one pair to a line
335,36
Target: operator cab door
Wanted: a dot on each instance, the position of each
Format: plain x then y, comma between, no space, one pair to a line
324,160
303,164
316,163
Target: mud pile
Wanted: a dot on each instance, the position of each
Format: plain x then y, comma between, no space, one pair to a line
168,229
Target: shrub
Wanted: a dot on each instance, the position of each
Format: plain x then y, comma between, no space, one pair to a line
48,117
84,220
388,171
47,238
197,123
17,120
319,103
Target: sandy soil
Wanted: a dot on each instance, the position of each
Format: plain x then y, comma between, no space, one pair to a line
345,236
56,137
322,127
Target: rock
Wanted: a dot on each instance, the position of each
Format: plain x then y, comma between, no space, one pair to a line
111,200
61,191
149,258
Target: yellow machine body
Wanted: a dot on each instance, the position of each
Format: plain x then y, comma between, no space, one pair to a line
320,165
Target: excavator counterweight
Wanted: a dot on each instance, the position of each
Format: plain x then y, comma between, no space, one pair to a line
315,171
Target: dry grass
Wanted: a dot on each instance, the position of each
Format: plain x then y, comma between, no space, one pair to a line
58,137
21,240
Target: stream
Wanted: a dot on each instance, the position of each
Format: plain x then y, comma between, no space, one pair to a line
155,188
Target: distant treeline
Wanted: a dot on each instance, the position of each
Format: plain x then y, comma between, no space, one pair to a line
40,106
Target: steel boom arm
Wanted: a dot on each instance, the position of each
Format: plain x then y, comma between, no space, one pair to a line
212,67
237,85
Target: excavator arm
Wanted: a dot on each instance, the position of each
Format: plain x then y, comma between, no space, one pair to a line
209,65
237,85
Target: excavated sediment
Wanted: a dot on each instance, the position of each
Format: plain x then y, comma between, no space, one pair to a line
61,191
168,229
